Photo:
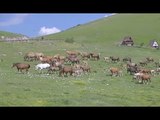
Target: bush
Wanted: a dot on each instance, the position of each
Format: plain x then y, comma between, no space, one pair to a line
42,38
69,40
142,44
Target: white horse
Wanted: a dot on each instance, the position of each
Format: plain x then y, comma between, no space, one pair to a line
42,66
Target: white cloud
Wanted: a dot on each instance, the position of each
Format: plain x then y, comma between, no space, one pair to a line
109,14
14,20
45,31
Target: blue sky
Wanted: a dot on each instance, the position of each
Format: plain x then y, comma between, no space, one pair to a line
34,25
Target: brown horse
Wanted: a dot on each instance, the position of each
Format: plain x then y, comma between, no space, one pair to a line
95,56
149,59
65,70
114,59
21,66
114,71
146,79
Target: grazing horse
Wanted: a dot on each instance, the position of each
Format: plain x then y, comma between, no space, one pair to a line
37,55
77,72
106,59
42,66
86,68
85,55
131,65
44,60
137,76
146,79
127,59
73,59
157,64
65,70
145,71
132,70
95,56
158,71
21,66
143,63
30,56
73,53
53,69
115,71
150,59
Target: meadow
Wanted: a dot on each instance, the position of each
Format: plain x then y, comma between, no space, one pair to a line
97,88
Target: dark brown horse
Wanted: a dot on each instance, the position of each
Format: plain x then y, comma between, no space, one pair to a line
127,59
95,56
21,66
114,59
65,70
149,59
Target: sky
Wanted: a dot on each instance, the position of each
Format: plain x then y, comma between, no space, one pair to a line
33,25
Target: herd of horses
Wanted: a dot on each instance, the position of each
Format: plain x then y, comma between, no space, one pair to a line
75,64
64,64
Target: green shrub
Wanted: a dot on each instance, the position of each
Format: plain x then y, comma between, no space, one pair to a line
141,45
69,40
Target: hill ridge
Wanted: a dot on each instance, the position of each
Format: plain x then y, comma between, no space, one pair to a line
141,27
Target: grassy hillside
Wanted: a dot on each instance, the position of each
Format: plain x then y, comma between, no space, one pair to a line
141,27
97,88
93,89
9,34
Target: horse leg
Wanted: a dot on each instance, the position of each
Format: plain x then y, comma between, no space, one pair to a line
49,71
146,81
27,71
142,81
66,73
71,73
18,69
116,74
21,70
61,72
112,74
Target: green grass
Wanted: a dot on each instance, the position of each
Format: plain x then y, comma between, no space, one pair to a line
94,89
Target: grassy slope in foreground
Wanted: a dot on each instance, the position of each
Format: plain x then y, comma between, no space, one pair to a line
142,28
93,89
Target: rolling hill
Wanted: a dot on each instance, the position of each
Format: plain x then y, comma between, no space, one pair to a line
10,34
4,35
141,27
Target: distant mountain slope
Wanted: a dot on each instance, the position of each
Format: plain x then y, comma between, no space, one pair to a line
11,36
141,27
